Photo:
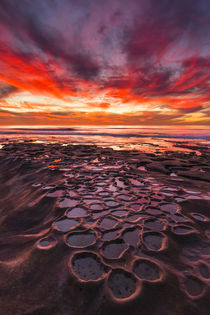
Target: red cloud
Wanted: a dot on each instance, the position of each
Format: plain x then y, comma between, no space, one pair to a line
125,60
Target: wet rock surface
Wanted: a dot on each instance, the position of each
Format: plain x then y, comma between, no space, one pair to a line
98,231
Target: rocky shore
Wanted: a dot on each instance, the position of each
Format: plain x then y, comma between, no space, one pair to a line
91,230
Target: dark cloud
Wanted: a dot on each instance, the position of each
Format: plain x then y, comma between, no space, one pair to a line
190,110
162,24
166,25
29,24
61,113
6,90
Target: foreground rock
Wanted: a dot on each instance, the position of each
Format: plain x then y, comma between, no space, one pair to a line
89,230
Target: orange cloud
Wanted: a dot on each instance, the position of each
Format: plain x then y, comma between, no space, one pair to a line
124,64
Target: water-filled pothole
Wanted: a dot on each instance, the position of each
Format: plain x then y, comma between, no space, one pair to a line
134,217
131,236
135,206
96,207
154,224
110,235
199,217
87,266
108,223
68,203
194,286
124,197
147,270
183,229
65,224
76,212
169,207
122,284
46,243
111,203
80,239
153,211
119,213
154,240
114,249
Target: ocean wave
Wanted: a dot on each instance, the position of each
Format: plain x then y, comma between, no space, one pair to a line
85,132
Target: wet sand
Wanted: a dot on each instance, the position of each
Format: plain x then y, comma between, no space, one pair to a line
90,230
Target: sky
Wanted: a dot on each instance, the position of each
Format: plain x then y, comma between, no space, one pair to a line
104,62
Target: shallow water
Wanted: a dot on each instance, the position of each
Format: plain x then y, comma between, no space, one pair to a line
144,138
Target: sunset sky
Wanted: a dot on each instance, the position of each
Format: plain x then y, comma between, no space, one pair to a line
104,62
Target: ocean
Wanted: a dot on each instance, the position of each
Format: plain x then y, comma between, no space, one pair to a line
145,138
